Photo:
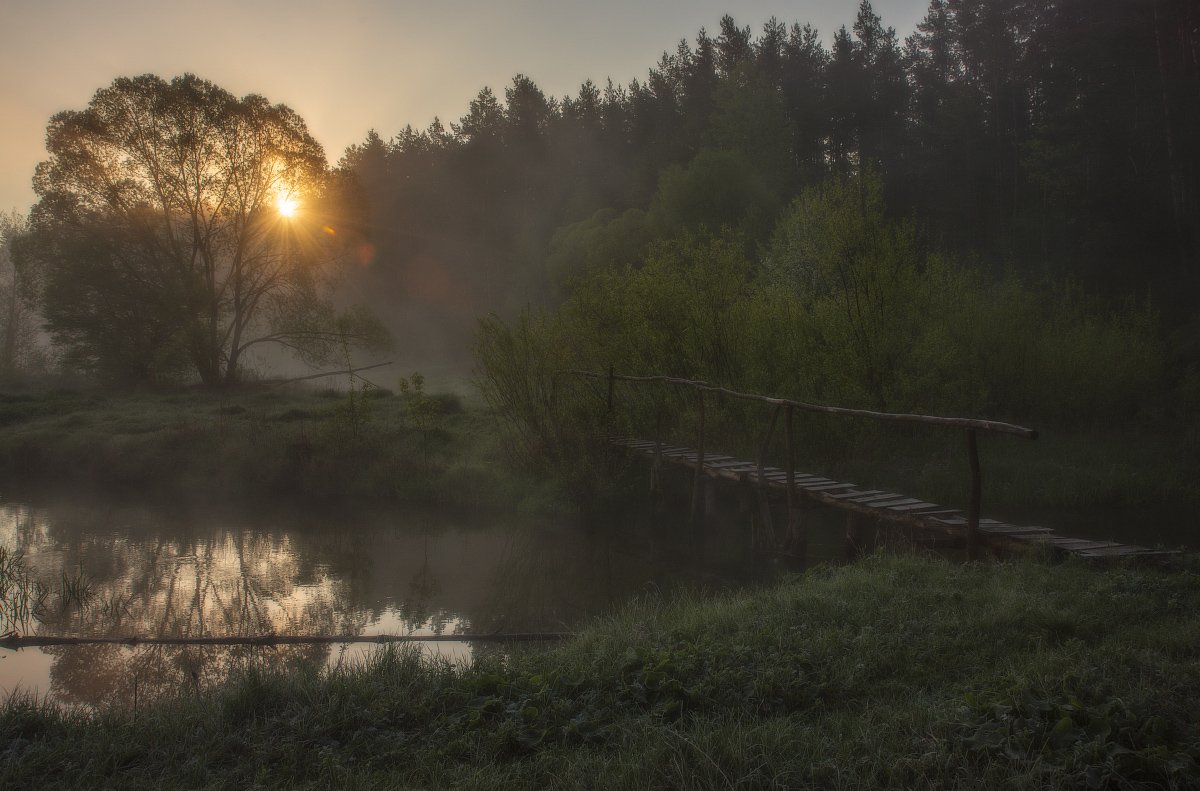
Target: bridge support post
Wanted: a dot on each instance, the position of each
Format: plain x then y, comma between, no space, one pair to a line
656,486
698,480
797,533
976,496
854,535
764,504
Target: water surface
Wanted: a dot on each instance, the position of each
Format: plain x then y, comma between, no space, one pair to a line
156,570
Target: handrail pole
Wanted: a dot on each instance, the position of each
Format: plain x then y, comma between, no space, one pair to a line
976,497
697,481
954,422
611,378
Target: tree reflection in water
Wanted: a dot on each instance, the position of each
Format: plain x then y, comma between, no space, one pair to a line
152,573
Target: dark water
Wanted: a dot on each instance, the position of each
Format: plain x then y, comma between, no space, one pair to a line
159,571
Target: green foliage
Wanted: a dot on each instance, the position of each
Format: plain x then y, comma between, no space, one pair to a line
606,239
1059,355
847,307
553,425
717,190
677,313
1081,731
895,327
865,288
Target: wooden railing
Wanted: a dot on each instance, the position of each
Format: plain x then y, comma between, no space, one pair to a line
971,426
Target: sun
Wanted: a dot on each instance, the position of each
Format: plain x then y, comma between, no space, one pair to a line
287,205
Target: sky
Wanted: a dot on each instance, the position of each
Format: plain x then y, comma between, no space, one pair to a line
350,66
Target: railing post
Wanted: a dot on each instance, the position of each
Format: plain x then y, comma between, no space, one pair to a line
976,496
698,481
611,377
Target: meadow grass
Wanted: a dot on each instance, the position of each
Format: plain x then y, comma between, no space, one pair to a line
895,672
255,444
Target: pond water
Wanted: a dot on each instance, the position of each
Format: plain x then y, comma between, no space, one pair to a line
153,570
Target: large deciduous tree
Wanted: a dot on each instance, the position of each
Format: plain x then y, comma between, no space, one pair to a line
178,226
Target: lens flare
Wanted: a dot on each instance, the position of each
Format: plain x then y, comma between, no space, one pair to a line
287,205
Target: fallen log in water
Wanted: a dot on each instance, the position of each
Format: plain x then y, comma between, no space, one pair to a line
16,641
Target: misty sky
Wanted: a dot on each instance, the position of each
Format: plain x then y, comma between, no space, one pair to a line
350,66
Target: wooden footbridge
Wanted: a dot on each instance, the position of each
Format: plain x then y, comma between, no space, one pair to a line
961,526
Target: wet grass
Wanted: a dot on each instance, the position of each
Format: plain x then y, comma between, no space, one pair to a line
897,672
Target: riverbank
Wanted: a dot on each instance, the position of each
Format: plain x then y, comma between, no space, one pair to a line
257,444
896,672
327,447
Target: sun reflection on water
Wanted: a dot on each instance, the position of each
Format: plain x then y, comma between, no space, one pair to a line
148,580
153,572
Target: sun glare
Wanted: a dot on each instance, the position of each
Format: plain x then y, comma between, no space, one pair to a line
287,205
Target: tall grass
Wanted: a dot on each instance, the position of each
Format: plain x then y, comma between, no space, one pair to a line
22,597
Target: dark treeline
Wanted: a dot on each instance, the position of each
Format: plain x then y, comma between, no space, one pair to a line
1055,141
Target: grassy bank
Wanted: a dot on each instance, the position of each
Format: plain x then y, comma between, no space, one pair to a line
258,443
893,673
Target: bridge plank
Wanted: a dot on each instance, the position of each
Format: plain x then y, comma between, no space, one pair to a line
1078,543
892,503
826,487
780,481
911,506
902,507
874,498
726,463
1125,550
1014,530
